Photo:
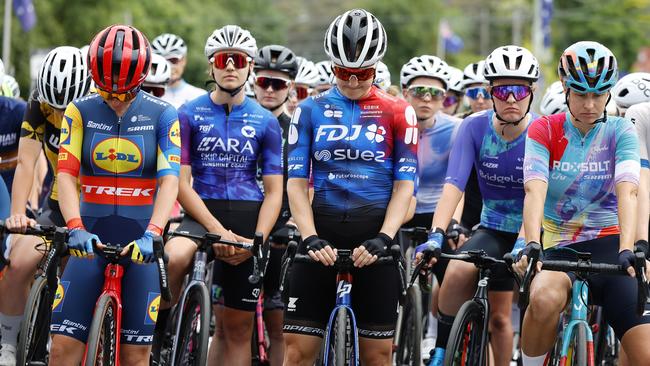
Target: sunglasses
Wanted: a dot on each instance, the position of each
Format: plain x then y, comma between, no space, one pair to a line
174,60
300,92
361,74
122,97
421,91
520,92
156,91
275,83
475,93
449,101
221,60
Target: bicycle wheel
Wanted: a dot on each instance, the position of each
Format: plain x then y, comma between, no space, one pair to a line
192,340
35,328
339,345
102,337
410,338
464,345
579,348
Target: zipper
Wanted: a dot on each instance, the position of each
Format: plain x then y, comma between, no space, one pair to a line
117,149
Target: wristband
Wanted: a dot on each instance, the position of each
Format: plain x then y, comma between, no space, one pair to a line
154,229
75,223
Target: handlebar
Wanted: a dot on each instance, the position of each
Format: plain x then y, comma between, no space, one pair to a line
57,235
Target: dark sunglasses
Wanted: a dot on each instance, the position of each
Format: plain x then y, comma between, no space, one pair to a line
156,91
520,92
300,92
449,101
275,83
221,60
475,93
345,74
418,91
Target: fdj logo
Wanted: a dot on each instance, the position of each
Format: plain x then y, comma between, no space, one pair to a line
338,132
117,155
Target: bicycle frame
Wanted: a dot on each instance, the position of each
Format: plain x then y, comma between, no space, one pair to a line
481,297
343,300
259,329
579,307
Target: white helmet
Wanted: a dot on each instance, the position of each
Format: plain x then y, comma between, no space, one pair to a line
382,76
159,73
511,62
473,74
425,65
307,72
554,100
63,77
325,74
355,39
632,89
231,37
9,87
169,45
249,89
455,79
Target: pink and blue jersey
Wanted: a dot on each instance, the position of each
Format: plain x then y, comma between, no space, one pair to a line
355,149
224,147
582,172
499,165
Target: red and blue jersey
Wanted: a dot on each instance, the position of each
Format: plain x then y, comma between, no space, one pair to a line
356,149
224,147
582,172
118,159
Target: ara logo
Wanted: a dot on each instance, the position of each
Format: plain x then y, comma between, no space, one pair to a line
248,131
375,133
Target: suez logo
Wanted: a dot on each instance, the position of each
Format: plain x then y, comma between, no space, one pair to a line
349,154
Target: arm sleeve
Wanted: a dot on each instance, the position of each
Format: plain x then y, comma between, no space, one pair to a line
71,141
641,121
628,167
272,148
33,125
169,143
405,144
462,156
299,139
538,147
186,135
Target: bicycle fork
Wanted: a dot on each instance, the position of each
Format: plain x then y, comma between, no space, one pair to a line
343,299
580,294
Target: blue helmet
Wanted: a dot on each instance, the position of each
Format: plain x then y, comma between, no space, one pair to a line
588,67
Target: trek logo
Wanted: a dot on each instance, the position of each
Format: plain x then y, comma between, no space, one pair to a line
137,338
343,289
211,143
60,328
117,191
350,154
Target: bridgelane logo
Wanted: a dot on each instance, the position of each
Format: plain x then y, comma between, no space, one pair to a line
117,155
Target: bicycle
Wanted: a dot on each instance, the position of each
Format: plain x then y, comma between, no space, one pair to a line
341,346
191,317
576,344
103,344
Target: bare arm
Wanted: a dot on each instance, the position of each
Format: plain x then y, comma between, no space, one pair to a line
28,152
194,205
534,209
299,202
643,204
68,196
626,194
447,205
397,207
271,205
165,198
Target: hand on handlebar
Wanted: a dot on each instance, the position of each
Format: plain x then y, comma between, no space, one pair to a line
223,251
368,252
431,245
320,250
142,251
19,223
80,242
233,256
521,256
456,234
627,260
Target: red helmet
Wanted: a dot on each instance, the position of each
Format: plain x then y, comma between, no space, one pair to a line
119,58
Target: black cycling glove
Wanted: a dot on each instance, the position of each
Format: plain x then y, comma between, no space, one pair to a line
526,252
378,245
626,259
642,246
315,243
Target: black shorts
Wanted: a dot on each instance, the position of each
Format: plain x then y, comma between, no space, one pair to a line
425,220
616,294
51,214
312,286
495,243
232,281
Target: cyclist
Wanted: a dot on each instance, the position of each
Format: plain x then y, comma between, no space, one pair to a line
454,97
326,78
158,77
631,89
581,173
123,147
382,76
424,82
12,111
174,50
63,77
493,142
306,79
554,100
361,144
225,136
275,69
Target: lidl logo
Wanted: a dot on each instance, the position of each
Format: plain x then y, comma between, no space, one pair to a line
65,130
117,155
175,134
59,297
153,306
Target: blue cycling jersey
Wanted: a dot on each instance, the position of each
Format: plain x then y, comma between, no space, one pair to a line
355,148
224,147
11,112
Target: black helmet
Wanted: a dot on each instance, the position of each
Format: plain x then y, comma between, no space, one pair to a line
278,58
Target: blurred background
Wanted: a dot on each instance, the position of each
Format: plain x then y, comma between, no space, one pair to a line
460,31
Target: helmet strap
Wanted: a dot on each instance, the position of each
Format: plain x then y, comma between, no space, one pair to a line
503,122
233,91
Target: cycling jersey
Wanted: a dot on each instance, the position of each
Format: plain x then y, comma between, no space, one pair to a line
499,167
119,169
181,94
433,155
40,124
356,149
639,114
223,147
581,172
12,112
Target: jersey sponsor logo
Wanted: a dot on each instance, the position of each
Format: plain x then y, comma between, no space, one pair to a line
53,141
408,160
338,132
293,127
343,289
496,178
65,129
376,333
332,176
411,135
248,131
117,155
131,338
62,288
140,128
99,126
350,154
198,117
140,118
7,139
121,190
205,128
490,165
408,169
303,329
175,133
153,305
211,143
330,112
592,167
118,191
175,158
294,167
291,306
322,155
375,133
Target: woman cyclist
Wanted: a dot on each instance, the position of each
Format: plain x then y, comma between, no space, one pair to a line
118,179
581,173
